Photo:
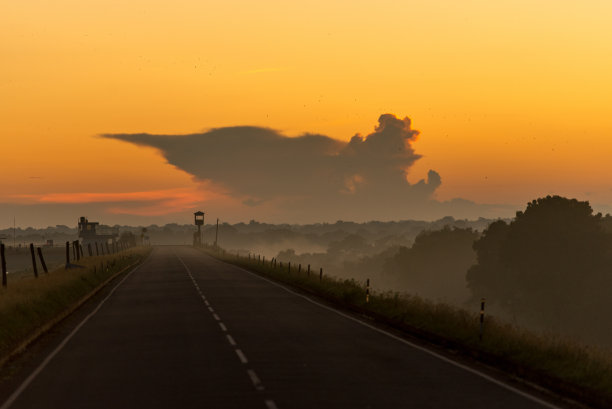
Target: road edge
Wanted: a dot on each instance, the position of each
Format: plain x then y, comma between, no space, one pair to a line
44,329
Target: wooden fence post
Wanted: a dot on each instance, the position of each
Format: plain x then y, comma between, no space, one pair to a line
89,249
3,259
42,260
67,253
33,260
97,251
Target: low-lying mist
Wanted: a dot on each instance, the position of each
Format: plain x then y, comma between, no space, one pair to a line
548,269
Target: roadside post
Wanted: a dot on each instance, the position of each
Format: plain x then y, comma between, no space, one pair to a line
33,260
482,308
42,260
3,259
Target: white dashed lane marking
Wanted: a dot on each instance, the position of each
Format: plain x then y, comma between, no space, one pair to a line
241,356
271,405
255,379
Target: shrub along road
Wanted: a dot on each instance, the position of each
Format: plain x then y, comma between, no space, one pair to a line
186,330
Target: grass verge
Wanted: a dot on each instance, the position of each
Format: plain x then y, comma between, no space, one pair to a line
572,370
28,307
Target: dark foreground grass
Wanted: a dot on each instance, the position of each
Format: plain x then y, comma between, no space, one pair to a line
576,371
28,306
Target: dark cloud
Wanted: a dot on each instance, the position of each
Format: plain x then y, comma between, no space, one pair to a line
310,175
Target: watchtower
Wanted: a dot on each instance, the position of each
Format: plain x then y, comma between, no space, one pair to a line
89,235
199,221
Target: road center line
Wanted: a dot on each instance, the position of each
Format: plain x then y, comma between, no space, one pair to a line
271,405
255,379
242,357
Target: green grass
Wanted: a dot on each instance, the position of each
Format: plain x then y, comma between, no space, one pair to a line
28,305
571,369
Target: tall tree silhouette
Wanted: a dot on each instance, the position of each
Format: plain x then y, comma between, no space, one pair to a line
546,263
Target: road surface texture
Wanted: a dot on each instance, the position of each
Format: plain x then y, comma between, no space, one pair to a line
187,331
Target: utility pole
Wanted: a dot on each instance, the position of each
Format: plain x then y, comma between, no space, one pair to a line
217,233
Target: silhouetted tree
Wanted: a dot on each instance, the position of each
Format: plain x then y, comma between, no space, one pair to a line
546,264
488,276
436,263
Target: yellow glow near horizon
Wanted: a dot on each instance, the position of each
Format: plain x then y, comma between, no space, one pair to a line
511,97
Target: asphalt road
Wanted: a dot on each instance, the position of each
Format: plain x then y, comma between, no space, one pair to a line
187,331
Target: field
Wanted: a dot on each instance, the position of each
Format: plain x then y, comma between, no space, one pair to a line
19,260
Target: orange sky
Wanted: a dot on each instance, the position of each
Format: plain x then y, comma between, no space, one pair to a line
511,97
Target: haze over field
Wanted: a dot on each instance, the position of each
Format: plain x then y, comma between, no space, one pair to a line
250,110
545,269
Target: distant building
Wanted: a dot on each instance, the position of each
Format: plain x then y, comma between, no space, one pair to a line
91,232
